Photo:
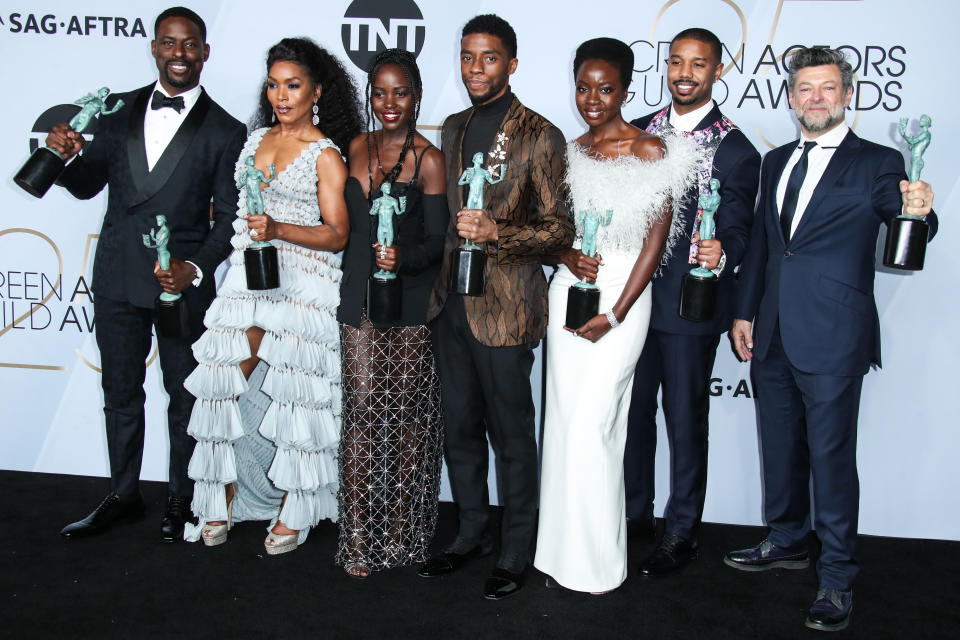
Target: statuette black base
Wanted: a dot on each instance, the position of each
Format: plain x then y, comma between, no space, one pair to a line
262,267
467,272
906,244
172,318
698,297
582,304
384,297
39,172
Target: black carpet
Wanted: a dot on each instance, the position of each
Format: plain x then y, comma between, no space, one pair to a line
128,584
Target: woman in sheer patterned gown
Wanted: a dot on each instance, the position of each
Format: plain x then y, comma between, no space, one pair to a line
267,415
391,442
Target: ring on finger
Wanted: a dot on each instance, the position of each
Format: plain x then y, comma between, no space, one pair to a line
253,233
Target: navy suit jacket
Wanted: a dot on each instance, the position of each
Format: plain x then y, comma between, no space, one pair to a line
196,166
820,285
737,166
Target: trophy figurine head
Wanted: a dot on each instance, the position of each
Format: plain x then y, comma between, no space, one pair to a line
249,161
385,188
103,92
477,159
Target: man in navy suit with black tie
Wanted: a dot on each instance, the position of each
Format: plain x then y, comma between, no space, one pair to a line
170,150
678,355
807,320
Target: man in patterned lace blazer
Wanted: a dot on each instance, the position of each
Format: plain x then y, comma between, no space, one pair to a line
484,344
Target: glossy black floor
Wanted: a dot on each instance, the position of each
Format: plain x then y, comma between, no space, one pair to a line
128,584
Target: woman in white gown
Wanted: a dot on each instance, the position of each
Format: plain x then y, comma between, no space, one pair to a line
267,416
581,541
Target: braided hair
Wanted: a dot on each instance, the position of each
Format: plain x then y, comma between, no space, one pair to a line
339,106
408,64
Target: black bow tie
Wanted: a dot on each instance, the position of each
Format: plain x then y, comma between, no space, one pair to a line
160,101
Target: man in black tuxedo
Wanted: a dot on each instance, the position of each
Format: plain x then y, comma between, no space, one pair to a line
169,150
678,355
806,294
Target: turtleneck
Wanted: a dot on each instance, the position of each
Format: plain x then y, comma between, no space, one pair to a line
483,126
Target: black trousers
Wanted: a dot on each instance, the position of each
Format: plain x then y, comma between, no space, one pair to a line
123,334
680,366
486,392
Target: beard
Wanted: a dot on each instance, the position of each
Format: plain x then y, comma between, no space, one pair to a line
493,89
834,117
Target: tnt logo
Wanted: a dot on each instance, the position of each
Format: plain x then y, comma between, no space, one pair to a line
55,115
370,26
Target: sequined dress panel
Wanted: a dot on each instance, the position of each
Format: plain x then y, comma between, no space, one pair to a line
391,446
285,422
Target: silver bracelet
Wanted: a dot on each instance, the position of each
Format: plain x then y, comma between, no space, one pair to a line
612,319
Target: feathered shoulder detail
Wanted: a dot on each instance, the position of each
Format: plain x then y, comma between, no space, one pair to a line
635,190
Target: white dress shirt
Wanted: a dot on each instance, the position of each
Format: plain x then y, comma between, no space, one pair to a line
817,159
688,121
159,127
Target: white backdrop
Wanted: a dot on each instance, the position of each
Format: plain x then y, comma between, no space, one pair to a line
49,382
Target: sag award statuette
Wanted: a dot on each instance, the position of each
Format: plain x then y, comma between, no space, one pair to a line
45,165
469,259
907,235
260,258
171,308
583,298
698,292
383,288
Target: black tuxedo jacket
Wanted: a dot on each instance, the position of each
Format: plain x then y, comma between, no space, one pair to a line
737,166
819,286
196,166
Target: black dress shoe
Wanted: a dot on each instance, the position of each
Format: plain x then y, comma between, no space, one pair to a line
104,516
177,513
450,561
831,610
672,553
646,529
764,556
502,584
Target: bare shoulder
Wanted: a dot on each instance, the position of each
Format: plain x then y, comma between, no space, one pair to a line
330,166
648,147
358,147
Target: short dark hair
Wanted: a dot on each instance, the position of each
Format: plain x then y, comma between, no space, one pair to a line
495,26
616,52
701,35
181,12
816,57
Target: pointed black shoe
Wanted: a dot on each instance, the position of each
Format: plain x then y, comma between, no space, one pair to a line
104,516
177,513
831,610
672,553
449,561
502,584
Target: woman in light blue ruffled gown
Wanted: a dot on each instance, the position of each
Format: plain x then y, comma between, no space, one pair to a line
267,416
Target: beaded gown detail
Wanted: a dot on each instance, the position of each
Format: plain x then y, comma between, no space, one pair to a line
581,540
278,432
391,448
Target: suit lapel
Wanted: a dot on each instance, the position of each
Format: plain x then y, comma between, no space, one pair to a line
774,176
172,155
845,154
712,116
136,150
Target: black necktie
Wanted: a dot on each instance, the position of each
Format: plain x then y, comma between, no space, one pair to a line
790,196
160,101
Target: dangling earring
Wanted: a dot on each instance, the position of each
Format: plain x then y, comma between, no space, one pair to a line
316,118
273,120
